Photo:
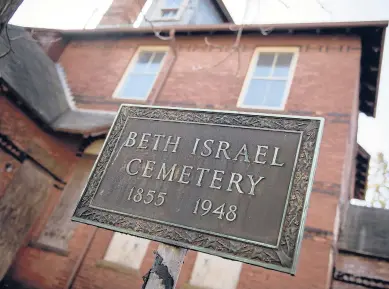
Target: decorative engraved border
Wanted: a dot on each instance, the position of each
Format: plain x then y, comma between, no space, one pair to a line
91,205
284,258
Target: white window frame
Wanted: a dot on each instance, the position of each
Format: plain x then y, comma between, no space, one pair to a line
250,72
160,7
114,255
205,265
131,65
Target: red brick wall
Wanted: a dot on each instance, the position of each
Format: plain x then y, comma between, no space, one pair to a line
318,74
311,274
41,269
45,149
101,276
324,84
51,42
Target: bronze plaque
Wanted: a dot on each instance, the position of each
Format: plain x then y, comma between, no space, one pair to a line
230,184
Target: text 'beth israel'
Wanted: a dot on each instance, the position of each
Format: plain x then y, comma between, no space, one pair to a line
253,154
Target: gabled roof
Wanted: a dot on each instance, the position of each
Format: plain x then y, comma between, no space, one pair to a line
214,11
36,81
32,75
118,14
371,34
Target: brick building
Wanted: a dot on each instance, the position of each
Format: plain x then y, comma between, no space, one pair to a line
57,107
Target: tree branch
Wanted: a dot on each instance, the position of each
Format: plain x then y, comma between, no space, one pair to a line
9,43
7,10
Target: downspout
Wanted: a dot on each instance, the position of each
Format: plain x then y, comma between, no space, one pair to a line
80,260
172,38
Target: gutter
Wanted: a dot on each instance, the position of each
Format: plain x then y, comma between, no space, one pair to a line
223,27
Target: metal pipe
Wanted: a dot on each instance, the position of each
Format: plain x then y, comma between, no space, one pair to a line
163,82
80,260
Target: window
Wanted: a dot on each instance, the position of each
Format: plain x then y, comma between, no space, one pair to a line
169,13
170,9
127,250
141,74
173,4
268,79
215,272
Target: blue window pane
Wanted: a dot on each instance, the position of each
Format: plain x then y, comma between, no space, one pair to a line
256,91
267,93
142,61
169,13
156,62
136,86
275,93
264,64
283,64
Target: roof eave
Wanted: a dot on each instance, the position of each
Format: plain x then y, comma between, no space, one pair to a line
379,72
222,27
89,132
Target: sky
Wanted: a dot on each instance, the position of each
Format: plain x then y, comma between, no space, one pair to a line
372,132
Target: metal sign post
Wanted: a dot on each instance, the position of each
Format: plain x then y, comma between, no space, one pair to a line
231,184
166,268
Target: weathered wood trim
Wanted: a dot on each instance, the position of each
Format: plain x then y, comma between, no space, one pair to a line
48,248
59,228
17,153
22,202
117,268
